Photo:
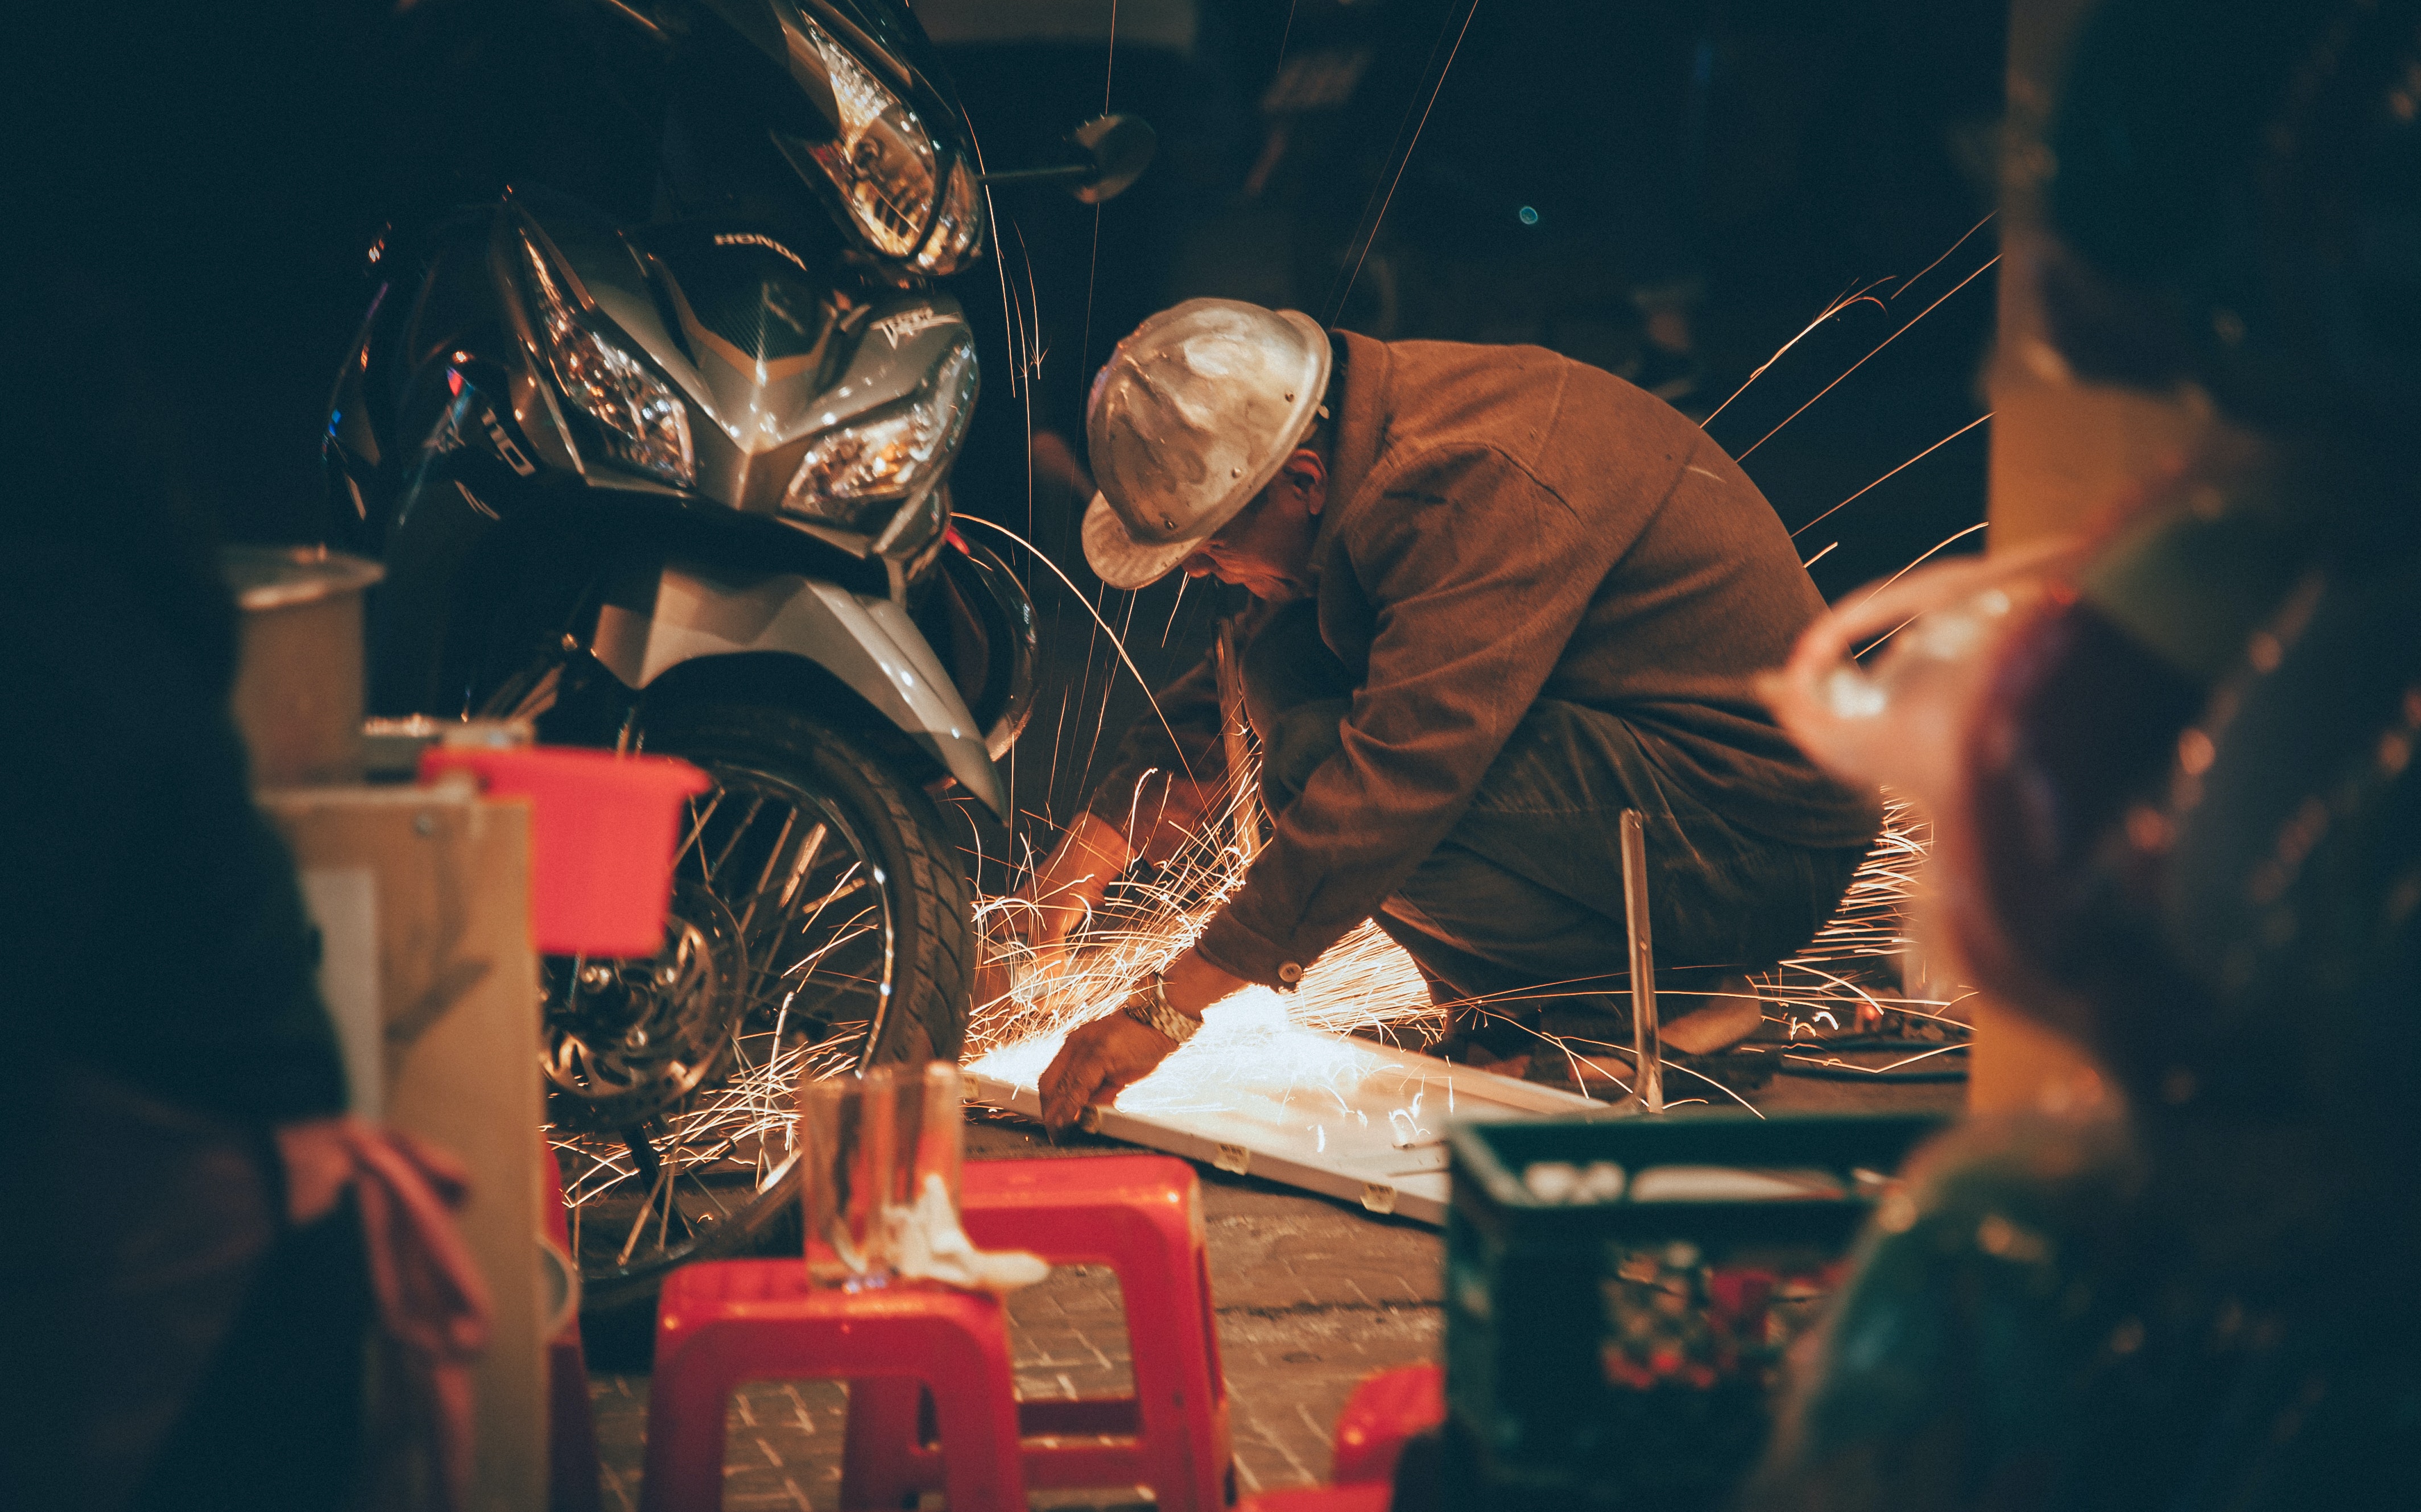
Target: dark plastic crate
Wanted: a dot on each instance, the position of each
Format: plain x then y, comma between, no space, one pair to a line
1545,1406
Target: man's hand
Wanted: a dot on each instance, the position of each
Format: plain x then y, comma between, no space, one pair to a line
1100,1060
1108,1055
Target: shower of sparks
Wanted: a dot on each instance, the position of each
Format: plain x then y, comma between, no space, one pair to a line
1363,983
1295,1049
1846,980
748,1119
1849,974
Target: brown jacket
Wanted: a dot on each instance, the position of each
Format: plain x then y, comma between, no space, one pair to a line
1505,524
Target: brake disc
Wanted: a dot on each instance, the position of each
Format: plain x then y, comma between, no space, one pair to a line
626,1040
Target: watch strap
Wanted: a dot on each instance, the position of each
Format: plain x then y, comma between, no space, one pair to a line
1149,1007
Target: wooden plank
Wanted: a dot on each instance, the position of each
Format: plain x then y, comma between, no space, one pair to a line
1355,1120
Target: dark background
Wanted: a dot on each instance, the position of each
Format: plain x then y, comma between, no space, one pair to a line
1778,155
205,184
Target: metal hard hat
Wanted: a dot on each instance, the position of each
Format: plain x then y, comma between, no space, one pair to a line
1190,419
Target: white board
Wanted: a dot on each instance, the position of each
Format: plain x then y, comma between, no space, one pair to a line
1254,1095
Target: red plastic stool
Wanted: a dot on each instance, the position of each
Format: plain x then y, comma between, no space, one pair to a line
1384,1410
1141,1215
722,1322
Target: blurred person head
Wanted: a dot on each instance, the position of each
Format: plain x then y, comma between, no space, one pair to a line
2234,197
2196,822
2169,764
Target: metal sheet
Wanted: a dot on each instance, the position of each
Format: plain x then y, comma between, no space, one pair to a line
1348,1118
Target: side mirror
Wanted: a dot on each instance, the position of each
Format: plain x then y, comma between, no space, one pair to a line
1118,149
1109,154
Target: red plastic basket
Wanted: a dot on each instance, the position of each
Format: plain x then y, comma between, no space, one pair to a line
603,829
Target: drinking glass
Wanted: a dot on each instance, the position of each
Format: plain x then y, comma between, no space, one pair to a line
933,1132
848,1150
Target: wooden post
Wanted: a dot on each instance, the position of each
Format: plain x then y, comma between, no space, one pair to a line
2061,452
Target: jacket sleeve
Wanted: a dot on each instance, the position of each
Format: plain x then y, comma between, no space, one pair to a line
1478,575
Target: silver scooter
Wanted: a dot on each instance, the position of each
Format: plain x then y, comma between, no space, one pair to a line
684,487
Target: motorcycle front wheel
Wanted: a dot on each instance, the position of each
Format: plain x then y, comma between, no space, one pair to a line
820,922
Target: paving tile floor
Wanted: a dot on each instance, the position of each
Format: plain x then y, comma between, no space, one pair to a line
1311,1296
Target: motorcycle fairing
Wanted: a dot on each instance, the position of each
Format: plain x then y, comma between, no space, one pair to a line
979,618
867,642
763,381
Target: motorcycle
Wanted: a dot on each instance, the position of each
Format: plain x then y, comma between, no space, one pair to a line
684,487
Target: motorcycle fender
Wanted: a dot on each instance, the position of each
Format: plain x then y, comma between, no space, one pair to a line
868,643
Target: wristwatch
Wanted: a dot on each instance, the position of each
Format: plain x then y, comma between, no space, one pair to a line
1149,1007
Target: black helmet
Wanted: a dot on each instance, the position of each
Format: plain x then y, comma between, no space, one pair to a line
2236,193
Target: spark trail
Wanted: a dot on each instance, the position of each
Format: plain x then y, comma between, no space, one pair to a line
1887,478
1842,305
1869,357
1337,305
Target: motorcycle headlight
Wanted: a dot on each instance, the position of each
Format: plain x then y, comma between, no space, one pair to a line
646,426
851,474
958,236
883,162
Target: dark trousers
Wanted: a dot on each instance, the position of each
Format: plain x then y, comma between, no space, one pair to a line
1521,902
171,1343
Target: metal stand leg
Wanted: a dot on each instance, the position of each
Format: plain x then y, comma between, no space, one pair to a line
1647,1047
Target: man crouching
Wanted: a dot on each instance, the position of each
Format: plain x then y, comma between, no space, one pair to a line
1501,598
